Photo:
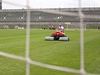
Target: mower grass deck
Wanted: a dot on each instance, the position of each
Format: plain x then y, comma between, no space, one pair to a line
50,38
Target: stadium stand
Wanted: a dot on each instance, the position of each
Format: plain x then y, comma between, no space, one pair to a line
18,16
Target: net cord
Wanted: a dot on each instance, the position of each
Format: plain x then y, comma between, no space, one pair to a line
28,40
81,40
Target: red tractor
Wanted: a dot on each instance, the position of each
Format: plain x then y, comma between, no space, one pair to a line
58,35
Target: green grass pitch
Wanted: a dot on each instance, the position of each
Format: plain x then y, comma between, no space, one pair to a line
60,53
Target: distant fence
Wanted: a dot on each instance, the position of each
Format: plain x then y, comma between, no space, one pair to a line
48,25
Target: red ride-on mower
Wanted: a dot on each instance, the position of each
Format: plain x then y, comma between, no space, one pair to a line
58,35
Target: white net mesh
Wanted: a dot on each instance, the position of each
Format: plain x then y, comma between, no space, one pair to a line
27,58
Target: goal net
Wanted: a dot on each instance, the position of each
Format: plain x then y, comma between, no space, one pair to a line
79,14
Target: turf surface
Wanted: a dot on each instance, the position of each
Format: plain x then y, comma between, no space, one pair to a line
60,53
